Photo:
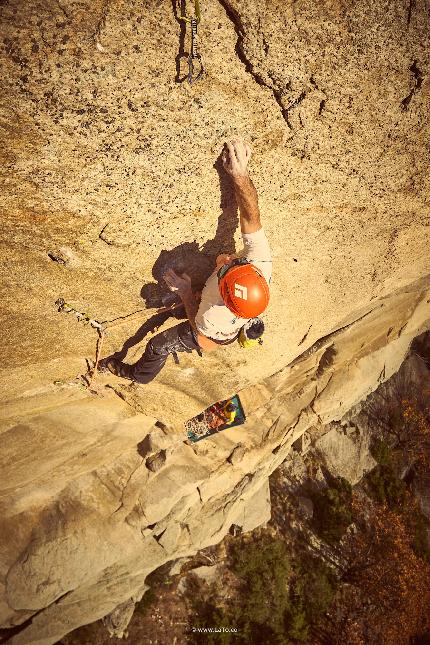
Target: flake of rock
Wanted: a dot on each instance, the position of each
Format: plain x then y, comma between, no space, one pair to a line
206,573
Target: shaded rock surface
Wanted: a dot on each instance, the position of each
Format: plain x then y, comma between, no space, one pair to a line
110,173
346,456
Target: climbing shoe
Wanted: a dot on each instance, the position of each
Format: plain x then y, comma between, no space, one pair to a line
118,368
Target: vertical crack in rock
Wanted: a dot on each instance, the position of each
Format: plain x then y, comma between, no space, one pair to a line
235,18
298,419
309,406
272,430
418,81
411,7
305,336
124,488
323,388
312,408
399,333
101,22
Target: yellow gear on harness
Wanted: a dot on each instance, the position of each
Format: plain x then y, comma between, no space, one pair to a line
247,343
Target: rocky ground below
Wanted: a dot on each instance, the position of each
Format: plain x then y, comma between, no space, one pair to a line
350,502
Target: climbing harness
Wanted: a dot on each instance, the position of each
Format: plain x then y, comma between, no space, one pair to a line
194,54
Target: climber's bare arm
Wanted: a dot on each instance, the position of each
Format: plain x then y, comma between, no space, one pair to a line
235,160
182,284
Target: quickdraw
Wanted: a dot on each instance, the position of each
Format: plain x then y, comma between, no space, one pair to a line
194,54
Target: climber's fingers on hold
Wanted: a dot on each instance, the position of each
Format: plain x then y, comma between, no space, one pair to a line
239,145
242,151
236,156
231,153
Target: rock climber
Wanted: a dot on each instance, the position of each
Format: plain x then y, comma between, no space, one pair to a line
235,293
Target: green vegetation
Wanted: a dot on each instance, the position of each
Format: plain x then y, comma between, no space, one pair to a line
384,484
381,452
209,615
263,568
277,599
332,510
311,595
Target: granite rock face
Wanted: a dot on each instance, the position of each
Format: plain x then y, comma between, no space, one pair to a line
110,173
346,456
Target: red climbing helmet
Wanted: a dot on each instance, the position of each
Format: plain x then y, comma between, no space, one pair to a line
243,288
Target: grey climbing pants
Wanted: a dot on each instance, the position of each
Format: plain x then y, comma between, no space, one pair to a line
180,338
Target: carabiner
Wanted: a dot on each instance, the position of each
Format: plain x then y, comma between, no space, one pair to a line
194,54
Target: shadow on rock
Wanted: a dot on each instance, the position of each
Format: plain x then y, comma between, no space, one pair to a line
188,258
148,326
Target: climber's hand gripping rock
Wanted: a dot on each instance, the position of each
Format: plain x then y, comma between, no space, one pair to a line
235,157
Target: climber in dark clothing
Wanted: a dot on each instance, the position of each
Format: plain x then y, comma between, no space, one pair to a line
176,339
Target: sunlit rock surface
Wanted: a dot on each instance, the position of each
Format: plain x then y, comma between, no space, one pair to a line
110,172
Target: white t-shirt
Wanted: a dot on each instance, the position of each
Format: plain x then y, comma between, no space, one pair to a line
213,318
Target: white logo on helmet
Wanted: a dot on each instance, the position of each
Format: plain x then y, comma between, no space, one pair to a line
240,291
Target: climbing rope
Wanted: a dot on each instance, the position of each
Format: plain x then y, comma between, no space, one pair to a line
98,352
194,54
103,327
